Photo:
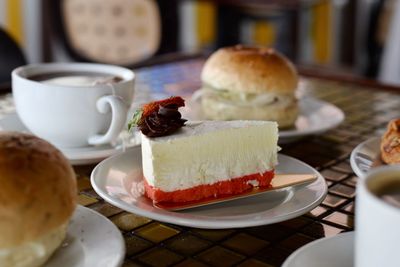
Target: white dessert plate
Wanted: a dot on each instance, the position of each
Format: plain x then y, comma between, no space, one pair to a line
92,240
79,155
316,116
332,251
119,181
364,156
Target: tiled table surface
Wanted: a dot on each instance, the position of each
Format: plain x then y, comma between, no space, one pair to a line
151,243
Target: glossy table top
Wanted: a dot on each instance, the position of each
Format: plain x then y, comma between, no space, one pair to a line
151,243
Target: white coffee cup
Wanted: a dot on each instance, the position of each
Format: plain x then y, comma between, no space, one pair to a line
377,229
73,113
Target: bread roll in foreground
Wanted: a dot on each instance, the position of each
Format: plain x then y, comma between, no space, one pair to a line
250,83
37,198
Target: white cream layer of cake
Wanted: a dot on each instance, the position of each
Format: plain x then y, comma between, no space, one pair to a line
209,151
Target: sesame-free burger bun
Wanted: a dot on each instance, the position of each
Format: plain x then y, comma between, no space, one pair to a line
37,198
249,83
250,70
284,115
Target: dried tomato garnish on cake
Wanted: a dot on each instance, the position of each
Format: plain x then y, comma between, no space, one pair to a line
159,118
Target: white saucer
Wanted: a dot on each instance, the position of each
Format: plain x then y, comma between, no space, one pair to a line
335,251
79,155
316,116
115,179
92,240
363,156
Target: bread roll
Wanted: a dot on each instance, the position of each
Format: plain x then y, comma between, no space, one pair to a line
37,198
390,144
250,83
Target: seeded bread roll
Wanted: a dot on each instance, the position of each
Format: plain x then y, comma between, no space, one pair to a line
250,83
37,198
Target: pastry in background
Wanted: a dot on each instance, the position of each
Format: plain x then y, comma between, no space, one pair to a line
390,144
249,83
37,198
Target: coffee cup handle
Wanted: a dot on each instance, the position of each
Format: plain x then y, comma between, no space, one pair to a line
119,112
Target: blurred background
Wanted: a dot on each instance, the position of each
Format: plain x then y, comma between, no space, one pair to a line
349,37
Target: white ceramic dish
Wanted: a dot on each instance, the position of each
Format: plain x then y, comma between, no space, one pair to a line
335,251
316,116
363,156
115,180
92,240
74,110
79,155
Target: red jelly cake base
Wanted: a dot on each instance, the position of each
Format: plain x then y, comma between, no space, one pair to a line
228,187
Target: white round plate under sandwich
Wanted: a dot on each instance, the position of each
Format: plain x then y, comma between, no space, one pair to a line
205,160
315,117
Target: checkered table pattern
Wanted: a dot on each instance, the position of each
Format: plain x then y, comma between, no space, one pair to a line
152,243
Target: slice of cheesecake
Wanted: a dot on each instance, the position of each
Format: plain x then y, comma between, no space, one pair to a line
209,159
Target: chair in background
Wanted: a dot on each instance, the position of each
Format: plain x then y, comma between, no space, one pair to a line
390,63
121,32
374,37
382,43
11,56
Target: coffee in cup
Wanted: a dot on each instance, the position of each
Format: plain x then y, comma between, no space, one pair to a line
73,104
74,78
390,193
